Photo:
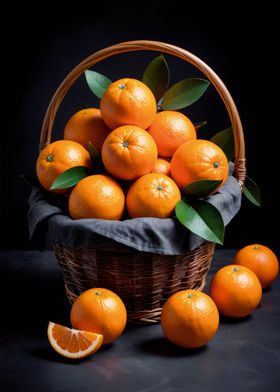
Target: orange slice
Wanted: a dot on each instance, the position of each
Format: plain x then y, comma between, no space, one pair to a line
72,343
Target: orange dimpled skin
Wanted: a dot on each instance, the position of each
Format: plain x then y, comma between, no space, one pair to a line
153,195
129,152
189,319
171,129
198,160
57,157
87,126
162,166
236,291
261,260
101,311
97,196
128,101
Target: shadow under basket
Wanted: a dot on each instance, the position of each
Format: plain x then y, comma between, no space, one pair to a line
144,281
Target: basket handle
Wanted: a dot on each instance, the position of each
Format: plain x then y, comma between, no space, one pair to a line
239,160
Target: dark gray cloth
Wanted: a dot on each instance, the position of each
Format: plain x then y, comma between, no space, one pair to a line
163,236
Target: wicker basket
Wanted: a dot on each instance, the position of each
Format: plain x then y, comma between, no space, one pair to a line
143,280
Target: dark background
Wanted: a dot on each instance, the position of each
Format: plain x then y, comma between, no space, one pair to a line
42,46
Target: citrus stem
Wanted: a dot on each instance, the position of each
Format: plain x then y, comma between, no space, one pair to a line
49,158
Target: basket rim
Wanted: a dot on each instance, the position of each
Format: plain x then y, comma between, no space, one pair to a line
144,234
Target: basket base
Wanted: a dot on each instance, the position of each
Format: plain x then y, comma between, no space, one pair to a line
144,281
150,316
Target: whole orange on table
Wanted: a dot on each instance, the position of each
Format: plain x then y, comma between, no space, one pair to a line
154,195
129,152
189,318
128,102
87,126
261,260
97,196
236,290
101,311
198,160
57,157
171,129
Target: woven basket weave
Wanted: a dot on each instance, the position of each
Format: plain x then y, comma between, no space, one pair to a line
143,280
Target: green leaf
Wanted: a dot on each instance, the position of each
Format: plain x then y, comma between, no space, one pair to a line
93,152
201,218
156,76
200,125
225,140
70,177
252,192
201,188
184,93
97,83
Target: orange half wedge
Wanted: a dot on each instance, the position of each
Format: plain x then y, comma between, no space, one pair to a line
72,343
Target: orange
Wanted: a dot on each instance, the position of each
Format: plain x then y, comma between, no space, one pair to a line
189,318
236,290
128,101
161,166
71,343
198,160
98,197
129,152
261,260
154,195
101,311
170,129
87,126
57,157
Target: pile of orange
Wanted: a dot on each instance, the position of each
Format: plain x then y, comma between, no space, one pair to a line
152,155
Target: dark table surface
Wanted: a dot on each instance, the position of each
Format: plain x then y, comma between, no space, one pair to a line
243,356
